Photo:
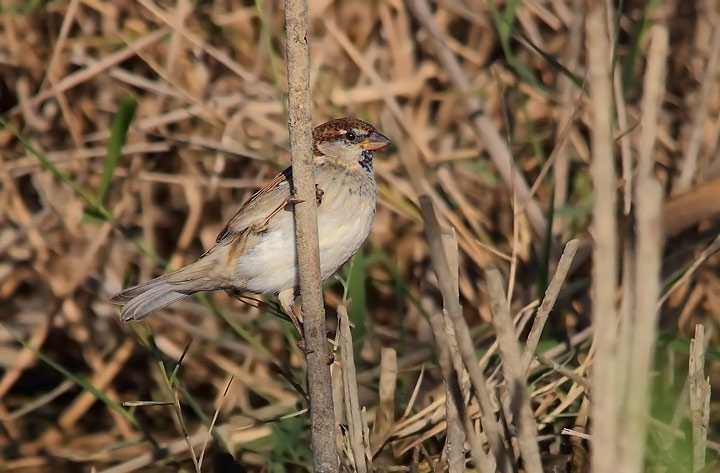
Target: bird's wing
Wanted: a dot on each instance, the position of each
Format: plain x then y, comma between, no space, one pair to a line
263,205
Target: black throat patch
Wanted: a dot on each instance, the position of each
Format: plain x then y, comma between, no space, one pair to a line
366,160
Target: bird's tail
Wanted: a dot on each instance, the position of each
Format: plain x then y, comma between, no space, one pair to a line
143,299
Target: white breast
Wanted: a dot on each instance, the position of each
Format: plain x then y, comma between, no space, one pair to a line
344,220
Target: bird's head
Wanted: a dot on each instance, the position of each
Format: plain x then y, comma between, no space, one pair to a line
349,141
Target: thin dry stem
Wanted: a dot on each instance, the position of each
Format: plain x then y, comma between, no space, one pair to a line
551,294
350,390
648,260
642,268
456,413
604,405
322,418
462,334
385,416
699,394
654,93
514,373
621,110
213,421
455,439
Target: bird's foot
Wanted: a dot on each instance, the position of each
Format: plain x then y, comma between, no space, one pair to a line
302,345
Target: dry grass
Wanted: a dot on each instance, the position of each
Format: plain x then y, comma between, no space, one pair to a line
501,114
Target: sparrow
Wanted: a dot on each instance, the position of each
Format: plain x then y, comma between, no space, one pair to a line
256,251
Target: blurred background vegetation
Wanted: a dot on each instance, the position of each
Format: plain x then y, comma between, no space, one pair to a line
133,129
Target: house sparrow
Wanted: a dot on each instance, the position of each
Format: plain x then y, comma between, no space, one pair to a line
256,249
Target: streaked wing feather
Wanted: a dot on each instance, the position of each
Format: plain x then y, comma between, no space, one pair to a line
259,207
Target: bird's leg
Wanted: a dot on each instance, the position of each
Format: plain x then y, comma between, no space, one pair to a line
287,301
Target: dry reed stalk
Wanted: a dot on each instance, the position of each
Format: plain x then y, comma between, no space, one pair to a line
622,120
358,441
514,371
322,418
653,97
385,415
462,334
639,329
699,394
640,323
459,425
455,438
604,229
551,294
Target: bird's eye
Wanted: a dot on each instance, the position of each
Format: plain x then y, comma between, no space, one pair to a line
350,136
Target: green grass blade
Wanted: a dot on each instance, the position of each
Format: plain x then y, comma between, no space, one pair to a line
47,164
509,14
22,8
545,249
576,80
96,211
357,293
118,133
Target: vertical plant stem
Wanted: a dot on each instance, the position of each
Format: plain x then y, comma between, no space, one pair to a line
322,418
604,227
641,304
514,372
643,331
621,114
451,301
442,326
350,388
456,414
699,395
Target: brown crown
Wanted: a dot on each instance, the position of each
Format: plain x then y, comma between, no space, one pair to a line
335,128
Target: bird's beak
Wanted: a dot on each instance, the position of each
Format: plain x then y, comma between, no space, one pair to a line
375,141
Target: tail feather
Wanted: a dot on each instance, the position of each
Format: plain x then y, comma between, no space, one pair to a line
156,298
126,295
141,300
